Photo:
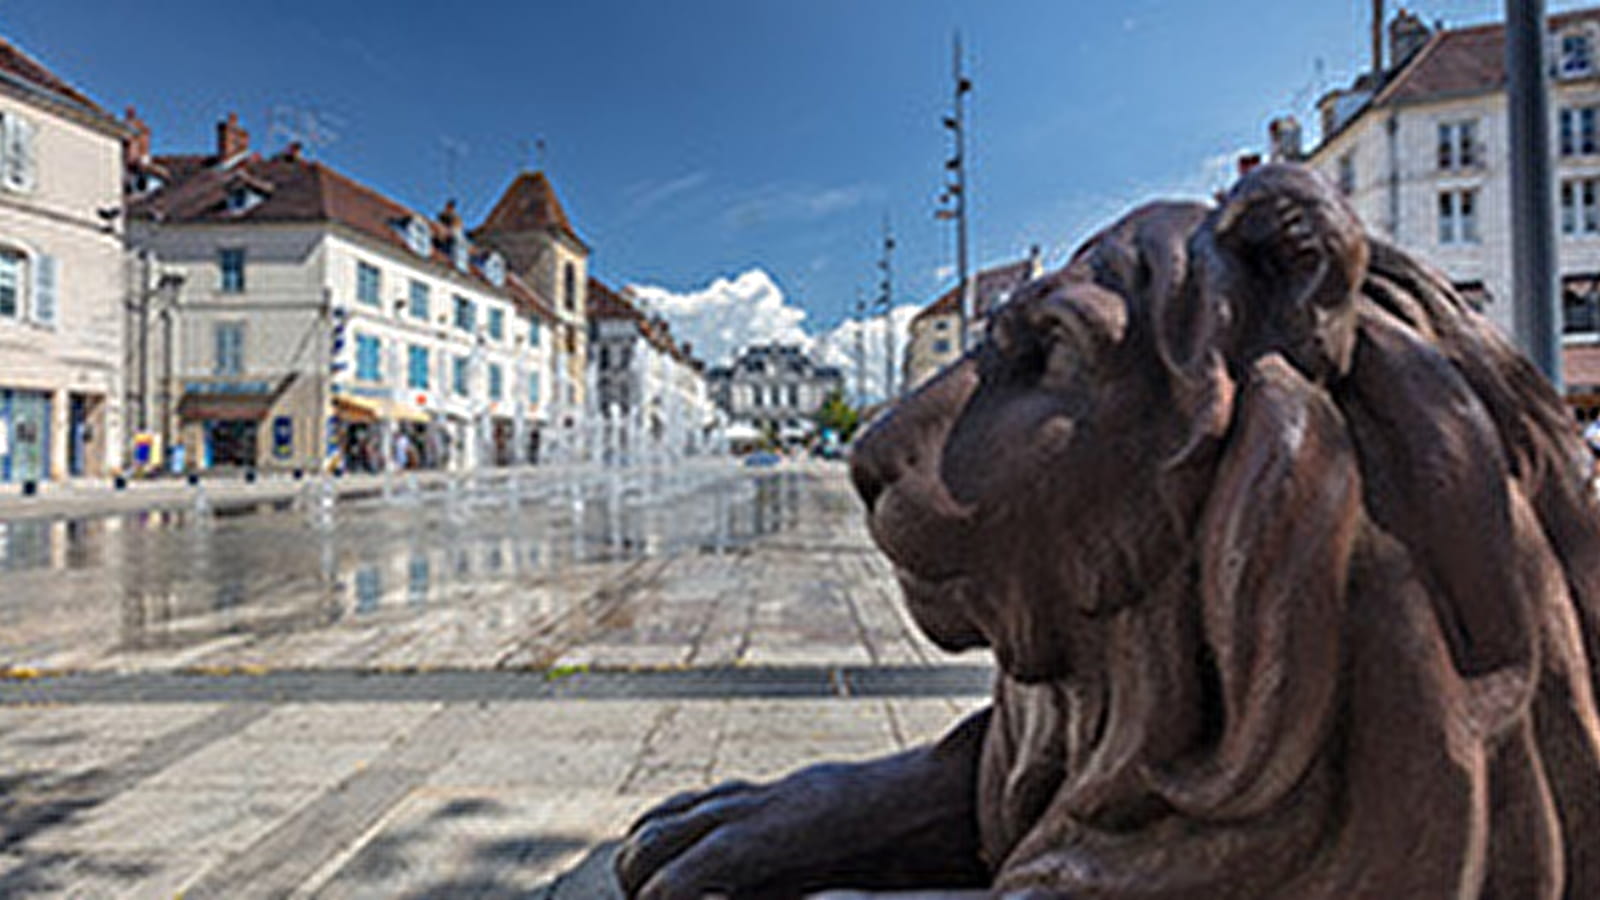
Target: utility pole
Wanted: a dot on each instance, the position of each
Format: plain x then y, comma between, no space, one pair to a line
861,350
886,297
955,191
1533,256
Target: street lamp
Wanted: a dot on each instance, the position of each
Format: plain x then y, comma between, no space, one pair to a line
886,297
955,191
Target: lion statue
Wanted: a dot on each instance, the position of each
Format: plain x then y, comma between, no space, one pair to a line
1291,568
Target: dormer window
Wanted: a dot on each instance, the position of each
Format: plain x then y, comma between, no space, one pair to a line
459,254
494,269
418,237
243,198
1577,54
145,183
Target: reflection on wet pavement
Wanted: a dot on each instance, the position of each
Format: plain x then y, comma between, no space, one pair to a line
475,569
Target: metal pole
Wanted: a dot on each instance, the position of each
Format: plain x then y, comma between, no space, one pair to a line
888,311
968,307
1533,249
861,350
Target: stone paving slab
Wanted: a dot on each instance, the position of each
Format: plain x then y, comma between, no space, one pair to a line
423,751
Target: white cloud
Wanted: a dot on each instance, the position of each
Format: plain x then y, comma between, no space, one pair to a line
732,313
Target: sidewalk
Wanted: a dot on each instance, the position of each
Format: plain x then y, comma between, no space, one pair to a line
278,768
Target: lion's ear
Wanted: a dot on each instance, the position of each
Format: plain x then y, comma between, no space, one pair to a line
1275,543
1288,255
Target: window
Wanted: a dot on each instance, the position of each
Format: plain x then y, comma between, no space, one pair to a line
12,267
1576,55
466,314
941,346
605,357
461,376
1579,211
497,323
18,164
533,388
419,300
941,325
794,395
369,353
458,254
417,368
369,283
1458,144
569,288
496,382
231,261
1577,130
1458,217
242,199
418,236
228,348
1580,312
533,332
494,269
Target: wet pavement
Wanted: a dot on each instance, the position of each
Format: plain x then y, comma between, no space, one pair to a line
446,691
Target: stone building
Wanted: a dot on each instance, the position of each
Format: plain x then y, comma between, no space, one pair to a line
530,228
935,342
288,317
1419,145
640,372
774,387
61,271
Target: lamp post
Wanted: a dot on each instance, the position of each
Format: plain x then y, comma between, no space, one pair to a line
861,350
886,297
955,192
1533,257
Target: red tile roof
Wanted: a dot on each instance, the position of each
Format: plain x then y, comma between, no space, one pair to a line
605,303
529,204
20,66
994,284
295,189
1461,61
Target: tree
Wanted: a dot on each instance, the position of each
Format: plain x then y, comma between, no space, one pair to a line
837,414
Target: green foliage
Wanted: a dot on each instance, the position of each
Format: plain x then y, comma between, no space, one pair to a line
837,413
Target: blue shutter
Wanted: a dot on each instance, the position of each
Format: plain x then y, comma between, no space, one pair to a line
44,290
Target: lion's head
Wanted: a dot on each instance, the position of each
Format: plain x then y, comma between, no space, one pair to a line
1218,471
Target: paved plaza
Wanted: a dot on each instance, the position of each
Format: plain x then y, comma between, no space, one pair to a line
464,690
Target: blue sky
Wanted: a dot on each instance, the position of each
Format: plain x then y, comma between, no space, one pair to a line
693,140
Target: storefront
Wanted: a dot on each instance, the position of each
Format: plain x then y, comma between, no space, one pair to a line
230,420
24,436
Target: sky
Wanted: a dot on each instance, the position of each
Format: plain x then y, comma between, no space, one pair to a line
736,160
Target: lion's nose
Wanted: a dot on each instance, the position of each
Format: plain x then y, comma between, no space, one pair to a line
895,442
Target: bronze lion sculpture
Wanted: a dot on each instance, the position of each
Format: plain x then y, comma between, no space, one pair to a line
1291,568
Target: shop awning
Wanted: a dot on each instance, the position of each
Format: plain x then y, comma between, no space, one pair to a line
357,409
224,407
351,408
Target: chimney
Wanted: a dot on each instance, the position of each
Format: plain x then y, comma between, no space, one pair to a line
292,151
1377,43
1248,162
449,218
231,139
1284,134
1407,34
1035,261
136,146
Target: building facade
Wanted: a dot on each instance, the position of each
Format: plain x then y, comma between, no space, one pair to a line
61,269
935,331
288,317
1419,145
640,373
774,387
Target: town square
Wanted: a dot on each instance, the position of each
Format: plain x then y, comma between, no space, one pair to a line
911,450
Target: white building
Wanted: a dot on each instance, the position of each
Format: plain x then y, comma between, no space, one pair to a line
61,266
774,387
935,339
1420,147
638,371
289,317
